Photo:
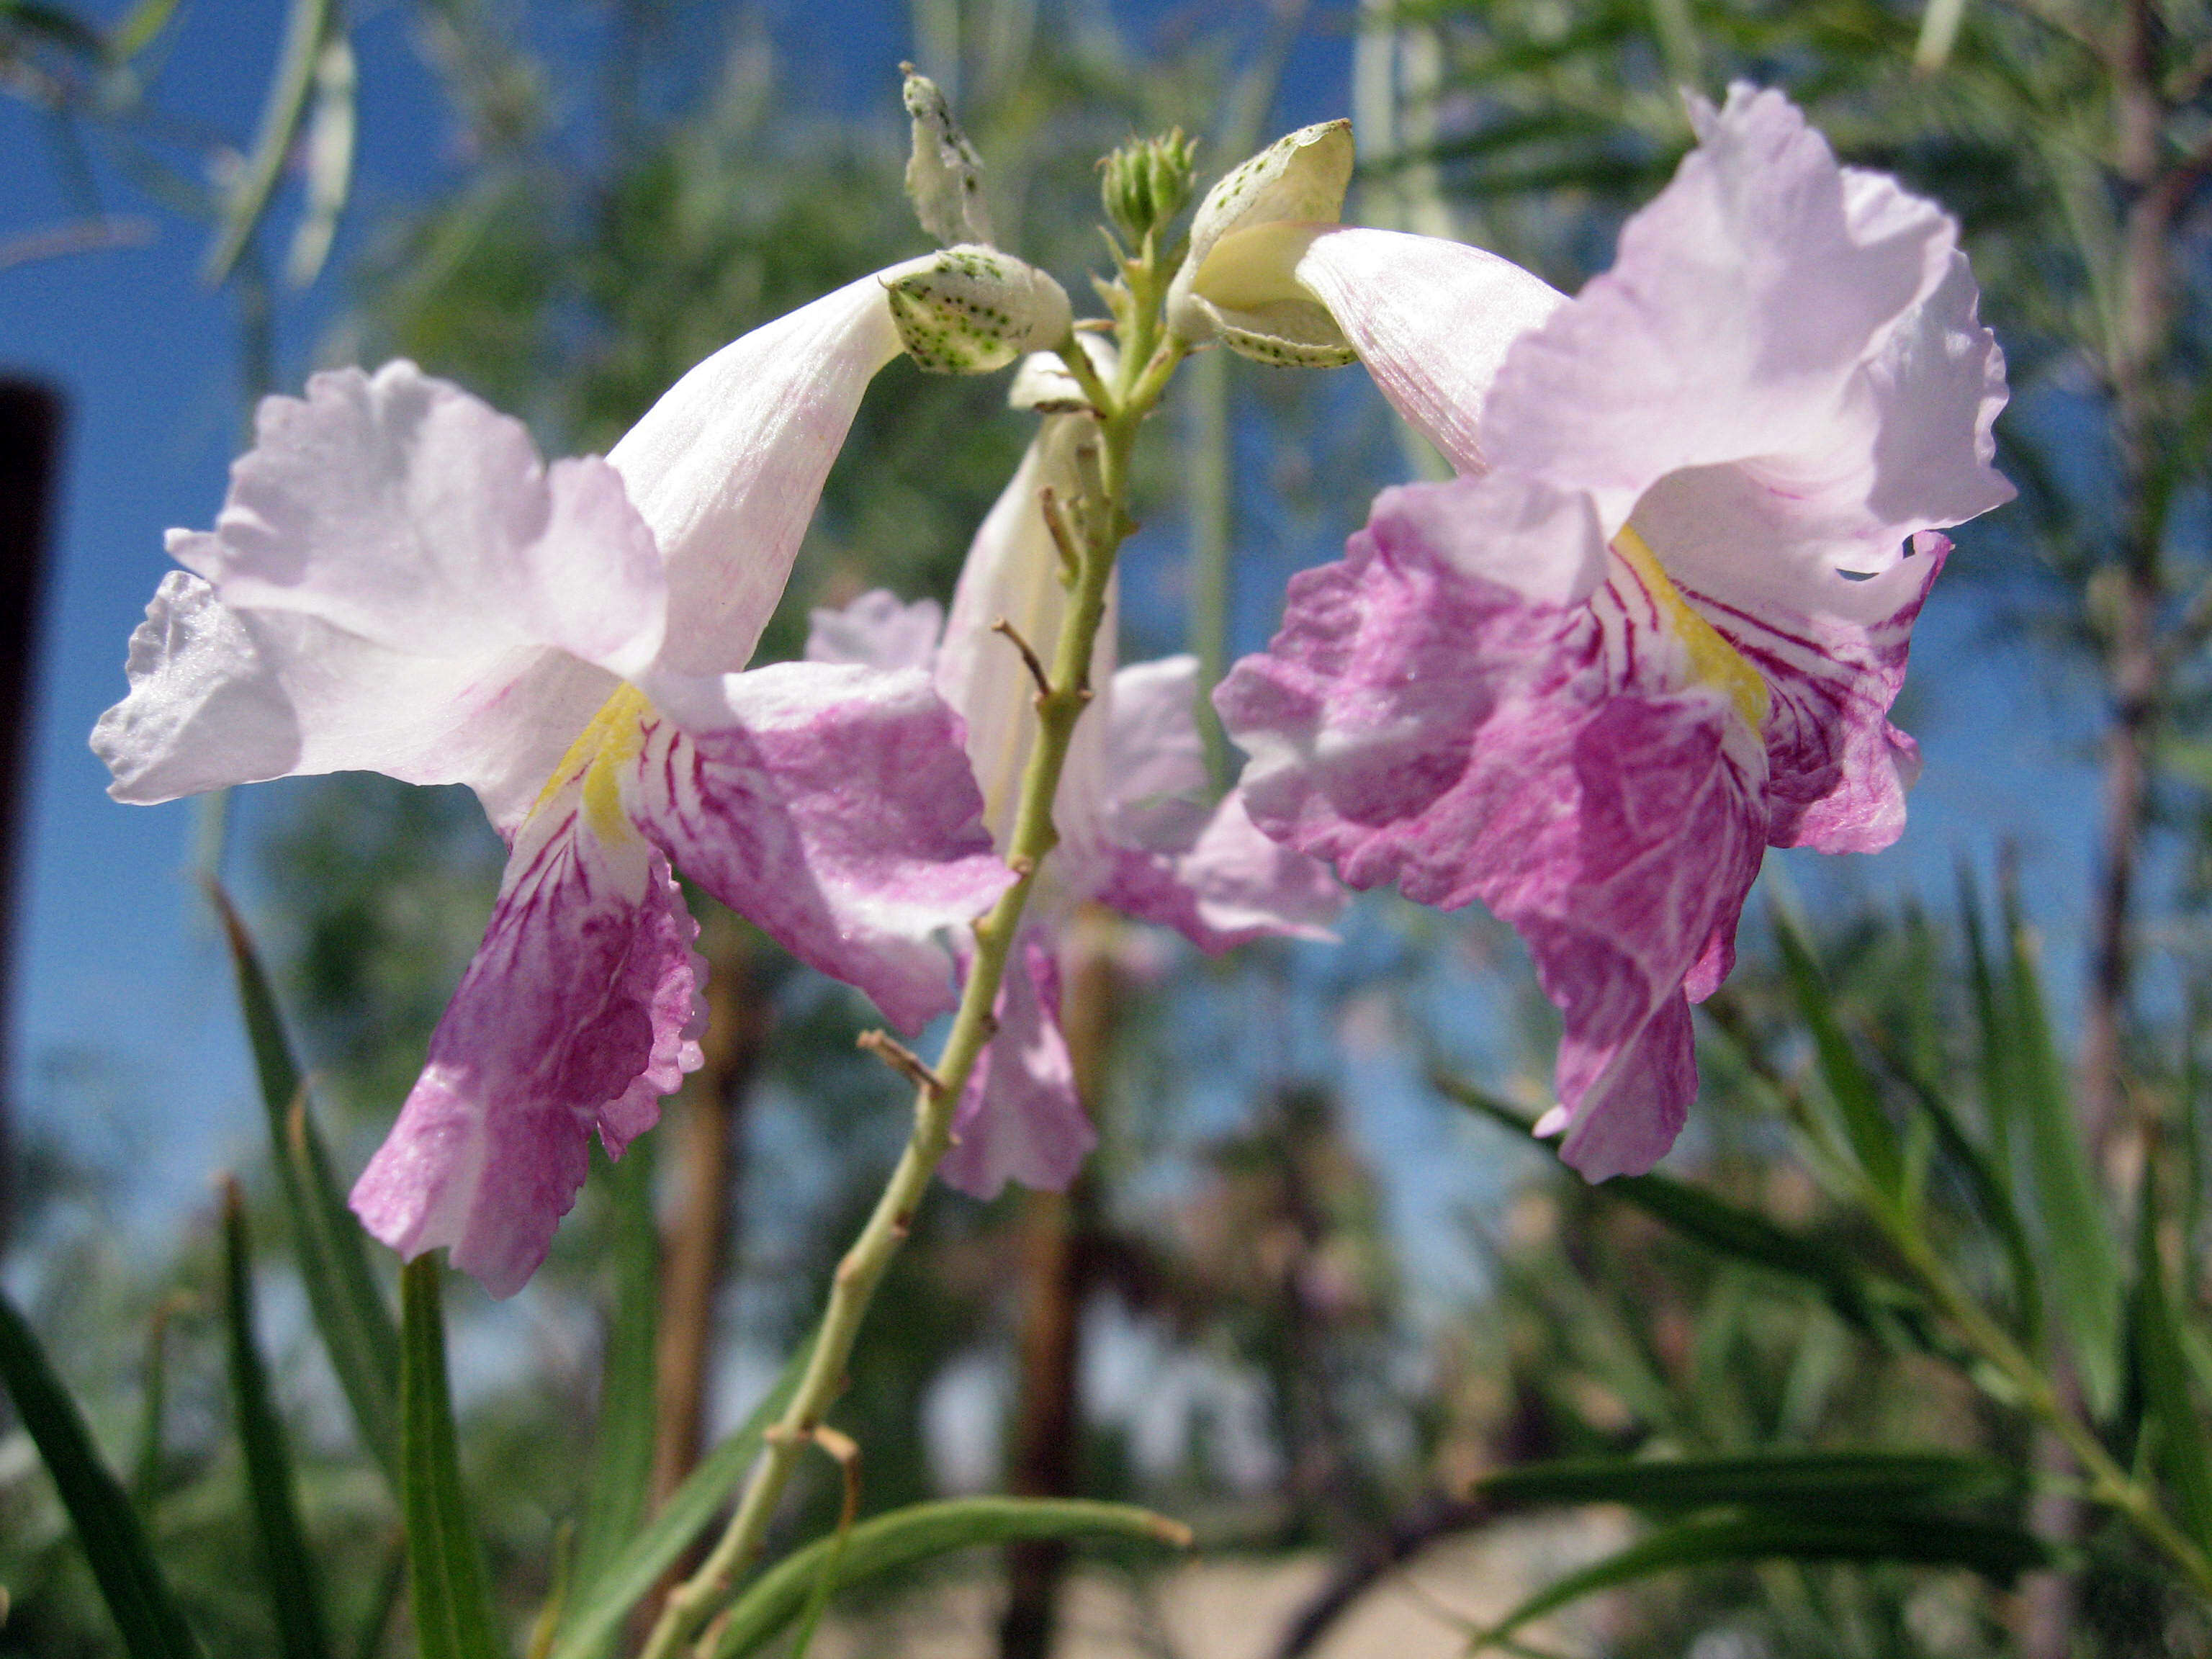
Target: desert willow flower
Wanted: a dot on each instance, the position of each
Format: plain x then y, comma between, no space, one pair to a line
1656,623
397,583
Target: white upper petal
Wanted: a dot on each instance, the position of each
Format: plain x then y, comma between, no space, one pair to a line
401,510
220,696
1430,320
728,466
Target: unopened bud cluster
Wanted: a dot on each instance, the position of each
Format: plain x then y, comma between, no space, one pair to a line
1147,182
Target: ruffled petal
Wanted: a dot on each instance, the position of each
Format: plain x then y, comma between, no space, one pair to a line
1155,764
833,807
580,1011
1019,1118
1430,320
877,630
220,696
1565,764
1234,885
397,508
727,467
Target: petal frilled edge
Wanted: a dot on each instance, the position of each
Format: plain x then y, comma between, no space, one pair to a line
1430,320
220,696
397,508
1019,1118
877,631
1418,725
728,466
1234,885
831,805
579,1011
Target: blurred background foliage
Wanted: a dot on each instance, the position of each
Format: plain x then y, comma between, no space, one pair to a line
1229,1318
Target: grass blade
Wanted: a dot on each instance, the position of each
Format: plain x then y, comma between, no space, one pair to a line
1992,1549
445,1582
1849,1084
305,29
916,1534
1829,1481
2082,1255
622,1454
137,1596
350,1312
294,1598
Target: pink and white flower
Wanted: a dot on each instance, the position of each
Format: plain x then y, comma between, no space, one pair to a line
1135,831
1658,623
397,583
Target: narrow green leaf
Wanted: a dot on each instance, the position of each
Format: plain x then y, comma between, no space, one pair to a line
350,1313
1849,1084
141,26
2175,1427
295,1599
1939,32
1865,1300
151,1469
1918,1538
1991,1196
1831,1481
916,1534
445,1582
596,1612
622,1453
2082,1254
1996,1046
376,1622
305,29
332,126
136,1595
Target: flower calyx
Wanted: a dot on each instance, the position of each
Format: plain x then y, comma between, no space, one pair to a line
973,309
1238,282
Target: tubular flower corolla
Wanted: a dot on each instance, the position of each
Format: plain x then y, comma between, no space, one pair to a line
1658,623
396,583
1134,830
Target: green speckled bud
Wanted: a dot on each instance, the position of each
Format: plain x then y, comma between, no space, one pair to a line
1147,183
976,309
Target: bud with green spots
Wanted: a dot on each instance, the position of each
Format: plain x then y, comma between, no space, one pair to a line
1147,182
973,309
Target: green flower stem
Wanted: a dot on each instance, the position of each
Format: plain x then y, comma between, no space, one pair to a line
1147,363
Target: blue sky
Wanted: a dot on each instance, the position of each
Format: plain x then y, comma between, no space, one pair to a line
115,963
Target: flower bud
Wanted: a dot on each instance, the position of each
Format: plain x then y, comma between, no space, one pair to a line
944,175
975,309
1147,182
1238,282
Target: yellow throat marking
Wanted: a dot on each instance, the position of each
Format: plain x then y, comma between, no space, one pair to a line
1712,659
615,737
